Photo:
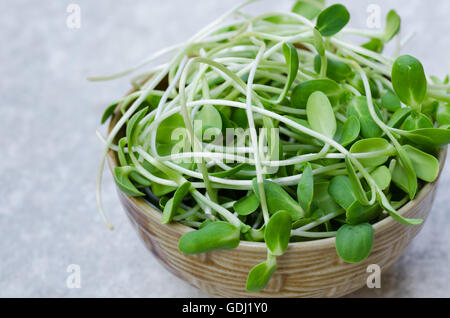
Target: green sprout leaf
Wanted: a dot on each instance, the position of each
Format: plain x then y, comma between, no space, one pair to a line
382,177
358,189
391,102
321,115
425,165
375,45
336,70
350,131
172,205
341,190
417,121
443,114
260,275
358,214
132,126
247,205
376,151
210,118
409,81
354,242
109,111
302,92
393,23
332,20
384,203
122,179
167,128
278,199
428,137
308,8
214,236
278,232
291,56
358,107
305,189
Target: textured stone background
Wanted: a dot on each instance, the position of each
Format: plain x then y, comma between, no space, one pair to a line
49,152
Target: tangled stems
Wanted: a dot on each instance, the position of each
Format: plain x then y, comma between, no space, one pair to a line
348,144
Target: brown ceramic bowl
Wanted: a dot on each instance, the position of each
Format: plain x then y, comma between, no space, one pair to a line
307,269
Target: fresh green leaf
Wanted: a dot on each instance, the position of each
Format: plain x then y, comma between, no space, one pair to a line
309,8
321,115
229,173
210,118
166,132
121,177
375,45
399,117
341,191
384,203
425,165
428,137
291,56
302,92
354,242
278,199
322,199
259,276
318,42
214,236
132,126
358,107
247,205
358,189
278,232
409,81
350,131
305,189
336,70
172,205
332,20
376,151
109,111
391,102
443,114
417,121
393,23
382,177
358,214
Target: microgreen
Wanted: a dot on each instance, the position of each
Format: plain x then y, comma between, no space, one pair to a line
354,242
321,115
326,134
278,232
305,189
259,276
247,205
308,8
301,93
172,205
214,236
409,81
332,20
278,199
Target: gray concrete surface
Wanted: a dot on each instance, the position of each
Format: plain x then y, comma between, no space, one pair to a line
49,152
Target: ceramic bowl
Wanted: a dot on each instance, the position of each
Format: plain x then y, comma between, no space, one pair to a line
307,269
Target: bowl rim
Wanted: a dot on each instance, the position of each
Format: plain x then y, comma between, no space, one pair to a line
324,243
